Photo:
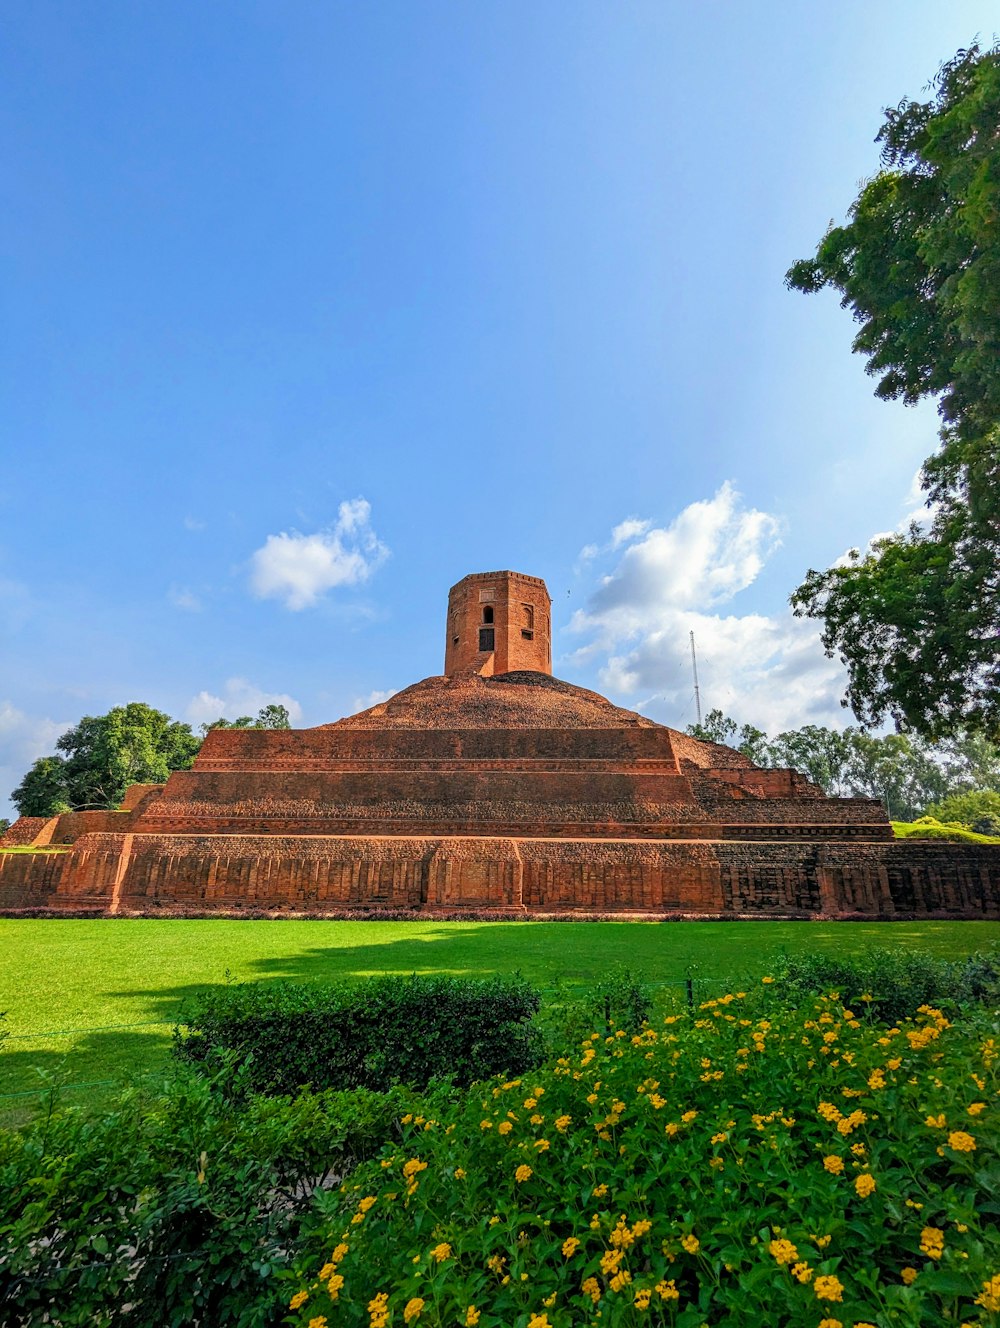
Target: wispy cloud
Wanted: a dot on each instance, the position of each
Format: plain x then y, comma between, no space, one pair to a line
669,580
23,738
374,698
183,598
299,569
238,697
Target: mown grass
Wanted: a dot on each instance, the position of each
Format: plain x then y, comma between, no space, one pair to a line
94,1000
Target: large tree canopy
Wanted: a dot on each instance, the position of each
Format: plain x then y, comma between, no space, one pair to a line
101,756
916,618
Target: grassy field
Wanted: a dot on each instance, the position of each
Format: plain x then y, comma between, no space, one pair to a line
94,1000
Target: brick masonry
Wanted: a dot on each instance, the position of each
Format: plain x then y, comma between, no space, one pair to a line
490,788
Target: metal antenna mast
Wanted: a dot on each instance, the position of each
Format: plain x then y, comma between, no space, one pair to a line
697,690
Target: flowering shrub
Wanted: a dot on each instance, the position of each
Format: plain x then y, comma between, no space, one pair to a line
804,1169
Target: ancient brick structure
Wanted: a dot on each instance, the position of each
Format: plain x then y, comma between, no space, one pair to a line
493,786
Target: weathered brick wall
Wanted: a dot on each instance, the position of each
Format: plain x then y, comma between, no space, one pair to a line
29,880
28,830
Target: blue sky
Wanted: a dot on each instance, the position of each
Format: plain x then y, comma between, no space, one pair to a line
309,310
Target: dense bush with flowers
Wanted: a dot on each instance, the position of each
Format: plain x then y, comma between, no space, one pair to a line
731,1167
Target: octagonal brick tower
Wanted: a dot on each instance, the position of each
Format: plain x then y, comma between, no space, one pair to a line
498,622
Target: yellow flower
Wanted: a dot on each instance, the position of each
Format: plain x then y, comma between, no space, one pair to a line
542,1145
989,1297
486,1125
864,1184
610,1260
562,1122
592,1288
530,1103
828,1288
600,1191
459,1174
835,1323
931,1242
642,1298
495,1263
908,1275
504,1127
620,1280
298,1299
961,1142
688,1117
570,1246
783,1251
802,1272
412,1311
691,1243
413,1166
441,1252
766,980
334,1285
367,1202
667,1291
472,1316
834,1164
974,1108
549,1301
318,1322
522,1174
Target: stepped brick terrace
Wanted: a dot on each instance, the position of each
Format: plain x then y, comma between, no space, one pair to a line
492,787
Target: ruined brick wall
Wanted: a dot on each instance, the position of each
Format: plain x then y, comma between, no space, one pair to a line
29,880
28,830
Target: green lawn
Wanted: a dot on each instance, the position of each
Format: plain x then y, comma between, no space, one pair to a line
110,988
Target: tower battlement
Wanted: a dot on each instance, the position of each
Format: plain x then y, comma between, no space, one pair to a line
498,622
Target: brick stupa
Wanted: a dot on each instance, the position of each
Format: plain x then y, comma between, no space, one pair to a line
492,787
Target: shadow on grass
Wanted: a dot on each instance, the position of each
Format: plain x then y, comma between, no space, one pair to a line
87,1072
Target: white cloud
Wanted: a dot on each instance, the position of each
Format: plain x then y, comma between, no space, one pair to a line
239,697
23,738
766,669
299,569
373,698
192,523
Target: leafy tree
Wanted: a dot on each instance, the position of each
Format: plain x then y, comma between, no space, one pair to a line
101,756
977,810
909,774
4,826
43,791
270,717
719,728
822,754
916,618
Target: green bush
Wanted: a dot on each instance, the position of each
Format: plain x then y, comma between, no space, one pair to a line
978,810
929,828
890,984
371,1035
176,1208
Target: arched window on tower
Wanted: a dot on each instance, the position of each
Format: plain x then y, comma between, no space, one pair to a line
487,613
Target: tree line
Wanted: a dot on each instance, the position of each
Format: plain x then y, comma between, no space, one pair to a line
955,780
97,759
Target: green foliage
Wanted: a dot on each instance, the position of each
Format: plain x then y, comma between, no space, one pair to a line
374,1034
4,826
905,771
927,827
977,810
716,1169
918,263
174,1208
890,984
270,717
43,791
101,756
